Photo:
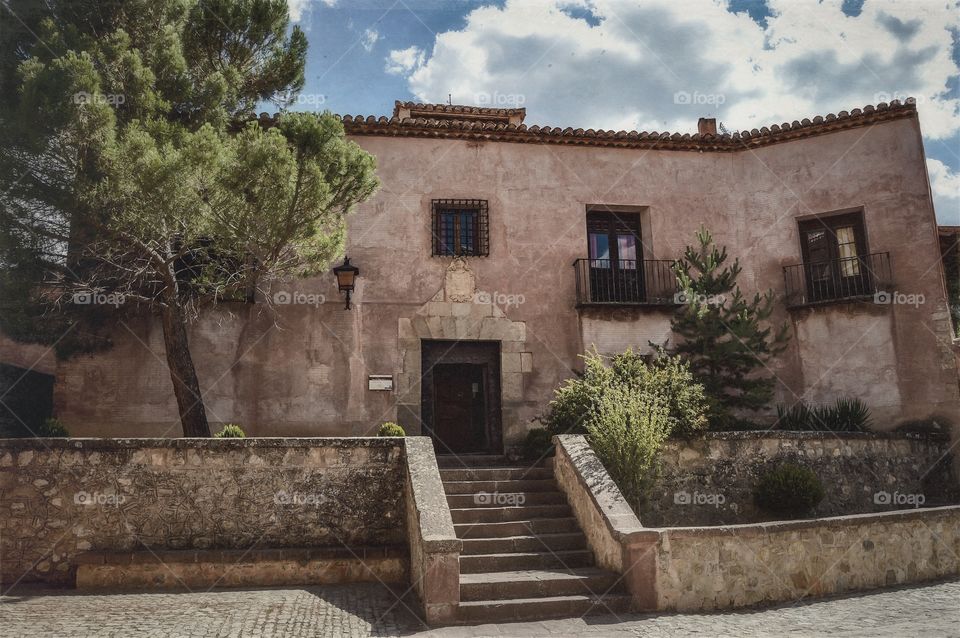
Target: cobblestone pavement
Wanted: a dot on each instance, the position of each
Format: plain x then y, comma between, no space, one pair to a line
369,610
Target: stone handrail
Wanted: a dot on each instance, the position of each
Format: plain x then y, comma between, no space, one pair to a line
613,531
434,546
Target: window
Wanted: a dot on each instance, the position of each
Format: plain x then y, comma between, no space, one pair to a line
613,251
835,257
460,228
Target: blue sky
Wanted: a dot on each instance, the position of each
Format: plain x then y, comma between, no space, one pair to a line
622,64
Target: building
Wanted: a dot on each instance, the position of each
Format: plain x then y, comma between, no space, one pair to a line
496,252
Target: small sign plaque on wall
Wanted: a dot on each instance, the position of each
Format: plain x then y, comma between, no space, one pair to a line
380,382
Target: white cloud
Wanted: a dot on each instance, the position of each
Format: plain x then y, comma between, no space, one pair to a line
945,185
297,7
370,37
630,70
404,61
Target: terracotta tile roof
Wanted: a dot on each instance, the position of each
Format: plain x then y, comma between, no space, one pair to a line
441,112
481,124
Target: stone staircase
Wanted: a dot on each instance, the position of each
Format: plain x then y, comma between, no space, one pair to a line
524,555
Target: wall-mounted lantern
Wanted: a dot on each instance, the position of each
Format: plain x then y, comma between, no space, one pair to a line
346,278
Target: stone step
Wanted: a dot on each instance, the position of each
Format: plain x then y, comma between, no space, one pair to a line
565,559
473,487
505,499
519,609
460,461
539,583
496,474
517,528
529,543
502,514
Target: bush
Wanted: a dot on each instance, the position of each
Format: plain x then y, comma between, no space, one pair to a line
846,415
668,378
230,431
391,429
52,428
538,444
789,489
626,430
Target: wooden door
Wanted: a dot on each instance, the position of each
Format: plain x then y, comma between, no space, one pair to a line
459,408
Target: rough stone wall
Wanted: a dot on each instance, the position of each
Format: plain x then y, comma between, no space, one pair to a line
710,480
700,569
59,497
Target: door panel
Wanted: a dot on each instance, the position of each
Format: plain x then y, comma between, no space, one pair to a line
833,255
459,407
460,396
616,273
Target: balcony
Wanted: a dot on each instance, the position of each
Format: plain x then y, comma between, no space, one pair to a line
850,278
625,282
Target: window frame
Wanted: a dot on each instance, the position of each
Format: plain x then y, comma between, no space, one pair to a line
478,208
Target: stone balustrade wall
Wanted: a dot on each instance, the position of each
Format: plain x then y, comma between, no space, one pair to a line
710,479
63,497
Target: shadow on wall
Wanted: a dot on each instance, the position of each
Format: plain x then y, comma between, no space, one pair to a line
26,401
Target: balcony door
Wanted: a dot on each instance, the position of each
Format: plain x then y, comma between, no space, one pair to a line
833,255
616,266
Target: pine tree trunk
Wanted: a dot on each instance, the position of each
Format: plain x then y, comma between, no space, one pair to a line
186,385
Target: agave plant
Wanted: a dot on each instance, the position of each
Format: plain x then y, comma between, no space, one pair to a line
798,417
847,415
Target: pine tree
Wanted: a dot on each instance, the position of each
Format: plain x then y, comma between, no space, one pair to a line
723,334
123,173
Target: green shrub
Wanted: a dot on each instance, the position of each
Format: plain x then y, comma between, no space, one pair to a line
626,430
846,415
52,428
230,431
789,489
538,444
668,378
391,429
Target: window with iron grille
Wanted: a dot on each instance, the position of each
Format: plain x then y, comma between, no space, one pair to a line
460,228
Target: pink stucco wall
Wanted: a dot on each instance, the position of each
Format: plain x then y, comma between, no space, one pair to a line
304,371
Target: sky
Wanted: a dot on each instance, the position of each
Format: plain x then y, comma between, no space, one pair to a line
652,65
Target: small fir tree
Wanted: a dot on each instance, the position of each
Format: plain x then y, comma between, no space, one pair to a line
723,334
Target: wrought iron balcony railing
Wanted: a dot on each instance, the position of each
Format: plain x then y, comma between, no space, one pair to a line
625,282
837,280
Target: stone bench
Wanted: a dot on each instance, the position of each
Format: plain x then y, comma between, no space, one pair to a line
165,569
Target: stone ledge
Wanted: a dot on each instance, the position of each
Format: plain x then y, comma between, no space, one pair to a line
144,557
782,434
604,493
832,522
198,443
237,568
